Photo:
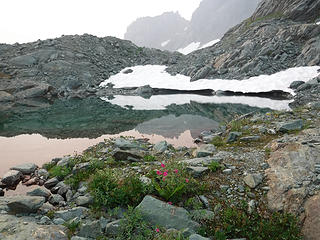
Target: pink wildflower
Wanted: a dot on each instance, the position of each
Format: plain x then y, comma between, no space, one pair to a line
165,174
157,230
159,173
162,165
176,170
170,203
163,179
187,180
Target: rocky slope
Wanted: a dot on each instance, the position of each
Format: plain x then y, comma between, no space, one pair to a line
209,22
273,39
77,64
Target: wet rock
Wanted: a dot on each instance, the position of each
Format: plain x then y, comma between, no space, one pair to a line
160,213
40,192
127,71
291,126
12,178
233,136
205,150
161,146
25,204
253,180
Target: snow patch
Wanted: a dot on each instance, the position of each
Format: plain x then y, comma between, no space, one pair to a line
160,102
194,46
157,77
190,48
165,43
209,44
318,23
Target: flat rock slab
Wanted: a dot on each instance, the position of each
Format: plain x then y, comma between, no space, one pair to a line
25,204
67,215
163,214
311,225
25,228
290,164
26,168
205,161
204,150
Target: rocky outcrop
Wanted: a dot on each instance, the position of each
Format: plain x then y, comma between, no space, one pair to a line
296,10
262,44
69,66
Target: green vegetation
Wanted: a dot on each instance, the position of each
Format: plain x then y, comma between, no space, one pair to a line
60,171
72,226
218,141
173,181
110,189
215,166
149,158
237,222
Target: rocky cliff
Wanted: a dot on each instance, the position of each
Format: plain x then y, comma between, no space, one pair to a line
210,21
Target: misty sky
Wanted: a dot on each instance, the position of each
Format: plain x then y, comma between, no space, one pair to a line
30,20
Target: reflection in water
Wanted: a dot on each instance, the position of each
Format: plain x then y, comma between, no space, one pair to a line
42,131
39,150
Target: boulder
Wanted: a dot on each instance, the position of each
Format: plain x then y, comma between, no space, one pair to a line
56,199
125,144
113,228
40,192
160,213
161,146
51,183
84,201
23,61
198,171
26,168
253,180
90,229
296,84
25,204
204,150
290,126
12,178
197,237
122,155
250,139
233,136
6,97
67,215
311,224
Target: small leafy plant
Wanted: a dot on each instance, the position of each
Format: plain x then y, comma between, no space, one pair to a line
215,166
172,181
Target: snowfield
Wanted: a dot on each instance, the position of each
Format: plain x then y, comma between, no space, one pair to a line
157,77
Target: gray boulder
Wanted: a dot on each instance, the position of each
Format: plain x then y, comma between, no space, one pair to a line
198,171
197,237
291,126
67,215
25,204
253,180
125,144
55,199
84,201
90,230
39,192
23,61
12,178
122,155
26,168
161,146
51,183
205,150
161,213
250,139
233,136
113,228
